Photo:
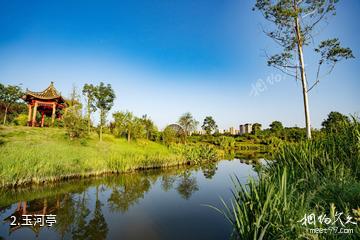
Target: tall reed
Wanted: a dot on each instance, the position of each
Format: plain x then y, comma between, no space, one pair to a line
318,176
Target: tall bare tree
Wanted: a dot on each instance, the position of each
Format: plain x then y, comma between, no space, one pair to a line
296,22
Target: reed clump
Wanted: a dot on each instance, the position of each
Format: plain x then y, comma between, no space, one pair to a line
321,176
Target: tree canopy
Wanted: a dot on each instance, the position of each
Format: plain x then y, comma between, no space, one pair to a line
89,92
127,123
256,128
276,126
9,95
105,97
334,121
188,123
209,125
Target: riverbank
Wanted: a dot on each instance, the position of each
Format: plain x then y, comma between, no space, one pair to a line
37,155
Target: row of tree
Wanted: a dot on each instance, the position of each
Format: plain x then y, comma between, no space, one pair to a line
126,124
101,98
276,128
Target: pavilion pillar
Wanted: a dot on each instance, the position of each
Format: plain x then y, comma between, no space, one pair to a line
34,114
24,207
53,114
45,206
29,114
42,119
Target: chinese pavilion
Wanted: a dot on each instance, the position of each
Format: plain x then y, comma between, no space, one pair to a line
48,102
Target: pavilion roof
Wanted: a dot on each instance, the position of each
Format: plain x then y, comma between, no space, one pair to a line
49,93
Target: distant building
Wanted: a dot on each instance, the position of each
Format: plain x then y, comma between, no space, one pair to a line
220,131
198,132
245,128
248,128
232,131
242,129
202,132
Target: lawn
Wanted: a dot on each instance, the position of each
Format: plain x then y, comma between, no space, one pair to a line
36,155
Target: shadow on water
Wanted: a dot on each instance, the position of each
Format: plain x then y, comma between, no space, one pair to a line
82,207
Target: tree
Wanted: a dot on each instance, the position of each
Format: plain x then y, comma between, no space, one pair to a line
256,128
75,125
295,23
276,126
74,98
149,126
89,91
188,123
334,121
126,122
104,96
209,125
9,95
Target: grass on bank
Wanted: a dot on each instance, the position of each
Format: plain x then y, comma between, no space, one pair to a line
45,154
321,176
35,155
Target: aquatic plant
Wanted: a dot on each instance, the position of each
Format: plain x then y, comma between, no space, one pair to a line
315,176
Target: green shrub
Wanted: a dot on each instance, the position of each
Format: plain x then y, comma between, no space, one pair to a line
197,153
21,120
226,142
75,124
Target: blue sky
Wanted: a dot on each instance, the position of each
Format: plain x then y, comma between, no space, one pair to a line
164,58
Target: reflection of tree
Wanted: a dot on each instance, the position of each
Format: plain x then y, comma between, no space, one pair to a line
132,187
167,182
187,185
209,169
79,231
65,214
97,227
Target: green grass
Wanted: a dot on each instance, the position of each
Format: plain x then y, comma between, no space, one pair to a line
321,176
35,155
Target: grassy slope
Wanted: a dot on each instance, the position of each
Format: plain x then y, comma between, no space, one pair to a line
45,154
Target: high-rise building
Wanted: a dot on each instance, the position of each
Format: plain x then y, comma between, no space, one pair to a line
245,128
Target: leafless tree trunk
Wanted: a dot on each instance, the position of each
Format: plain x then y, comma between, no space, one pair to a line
302,72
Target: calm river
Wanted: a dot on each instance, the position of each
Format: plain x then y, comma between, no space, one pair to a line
156,204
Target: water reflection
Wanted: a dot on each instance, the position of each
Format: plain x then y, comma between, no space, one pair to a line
84,208
187,185
209,169
126,190
38,207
